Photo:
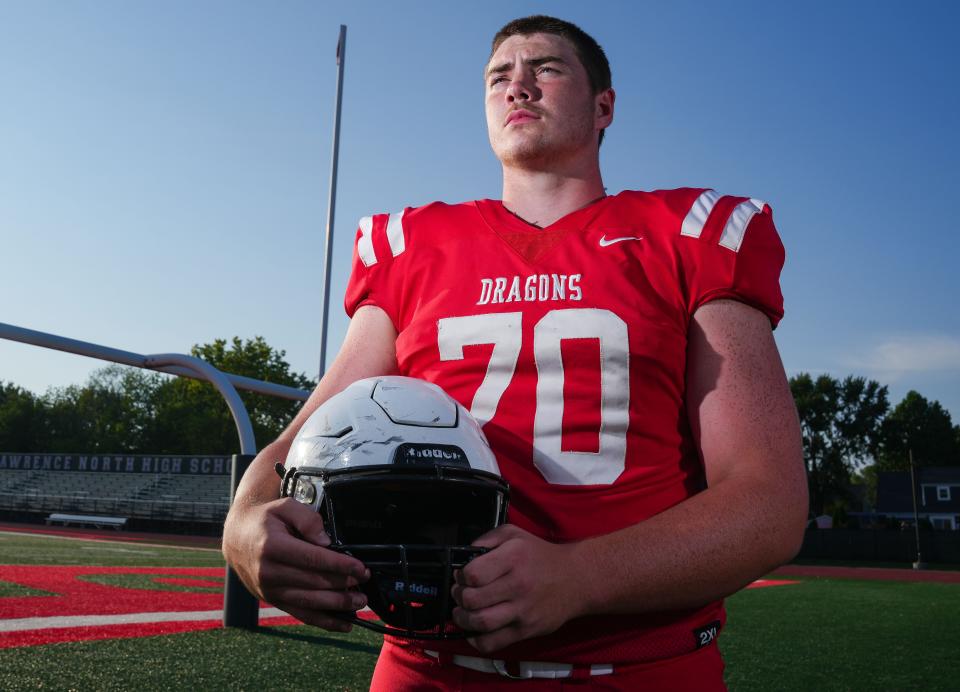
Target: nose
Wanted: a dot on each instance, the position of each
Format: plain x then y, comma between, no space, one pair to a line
517,91
521,88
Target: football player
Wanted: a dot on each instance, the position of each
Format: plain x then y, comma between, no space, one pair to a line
618,351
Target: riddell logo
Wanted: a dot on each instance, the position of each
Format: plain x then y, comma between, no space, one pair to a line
416,589
420,454
434,453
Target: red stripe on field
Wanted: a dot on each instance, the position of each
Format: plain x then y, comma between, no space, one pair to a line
871,573
78,597
761,583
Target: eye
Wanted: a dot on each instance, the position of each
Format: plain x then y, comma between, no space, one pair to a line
544,68
497,80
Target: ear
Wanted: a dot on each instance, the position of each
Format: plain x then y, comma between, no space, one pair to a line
603,113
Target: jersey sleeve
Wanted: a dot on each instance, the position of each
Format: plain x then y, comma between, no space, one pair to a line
380,241
730,248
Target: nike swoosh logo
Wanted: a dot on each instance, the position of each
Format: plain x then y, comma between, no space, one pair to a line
607,243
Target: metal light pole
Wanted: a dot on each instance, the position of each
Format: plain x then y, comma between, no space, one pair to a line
919,564
331,204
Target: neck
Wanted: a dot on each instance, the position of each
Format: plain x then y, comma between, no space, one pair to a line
542,197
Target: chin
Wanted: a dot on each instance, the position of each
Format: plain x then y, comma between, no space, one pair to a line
525,152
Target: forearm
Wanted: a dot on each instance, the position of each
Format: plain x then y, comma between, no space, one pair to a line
702,549
260,483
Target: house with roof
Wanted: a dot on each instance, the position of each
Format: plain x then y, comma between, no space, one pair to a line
937,492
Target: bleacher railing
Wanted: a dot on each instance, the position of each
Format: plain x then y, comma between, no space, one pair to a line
241,608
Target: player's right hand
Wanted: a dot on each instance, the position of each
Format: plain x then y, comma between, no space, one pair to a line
279,550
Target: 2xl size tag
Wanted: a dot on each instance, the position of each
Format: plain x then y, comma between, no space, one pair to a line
706,634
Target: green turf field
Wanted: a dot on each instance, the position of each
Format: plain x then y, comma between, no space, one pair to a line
32,549
821,634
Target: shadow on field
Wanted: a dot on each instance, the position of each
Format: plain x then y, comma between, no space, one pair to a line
318,639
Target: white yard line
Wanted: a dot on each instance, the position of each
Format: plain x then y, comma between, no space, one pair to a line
65,621
117,550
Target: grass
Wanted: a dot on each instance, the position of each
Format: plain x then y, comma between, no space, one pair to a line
820,634
833,634
32,549
283,658
9,589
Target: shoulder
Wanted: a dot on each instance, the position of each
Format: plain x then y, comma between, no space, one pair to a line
696,212
425,214
391,234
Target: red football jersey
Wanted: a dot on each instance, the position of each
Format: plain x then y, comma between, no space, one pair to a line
568,344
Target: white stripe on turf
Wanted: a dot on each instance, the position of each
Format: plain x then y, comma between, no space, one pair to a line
63,621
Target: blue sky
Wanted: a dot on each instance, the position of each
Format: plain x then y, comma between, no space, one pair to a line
164,166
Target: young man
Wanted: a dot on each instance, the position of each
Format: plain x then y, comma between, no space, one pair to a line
618,351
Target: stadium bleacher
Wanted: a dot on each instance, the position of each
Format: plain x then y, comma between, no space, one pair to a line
144,498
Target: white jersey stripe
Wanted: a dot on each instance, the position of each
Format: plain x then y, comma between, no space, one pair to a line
395,233
737,224
697,217
365,243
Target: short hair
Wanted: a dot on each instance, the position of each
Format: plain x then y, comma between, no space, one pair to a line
591,55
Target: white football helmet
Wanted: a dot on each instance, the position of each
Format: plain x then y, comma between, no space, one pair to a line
405,481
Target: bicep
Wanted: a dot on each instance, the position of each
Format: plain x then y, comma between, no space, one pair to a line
738,399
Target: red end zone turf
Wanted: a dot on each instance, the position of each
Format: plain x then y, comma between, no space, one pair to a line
82,610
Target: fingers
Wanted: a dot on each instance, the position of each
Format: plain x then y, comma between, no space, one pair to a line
498,536
487,619
312,600
487,567
273,576
288,550
308,523
305,545
477,598
278,549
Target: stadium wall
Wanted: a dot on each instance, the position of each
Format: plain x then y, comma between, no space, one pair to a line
880,545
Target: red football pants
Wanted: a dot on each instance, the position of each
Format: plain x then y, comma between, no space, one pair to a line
408,669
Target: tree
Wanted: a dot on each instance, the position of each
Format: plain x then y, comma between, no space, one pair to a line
191,417
867,477
21,419
129,410
840,423
111,413
922,426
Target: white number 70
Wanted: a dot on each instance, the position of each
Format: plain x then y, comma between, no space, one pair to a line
503,330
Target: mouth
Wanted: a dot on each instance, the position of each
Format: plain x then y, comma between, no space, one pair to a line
520,115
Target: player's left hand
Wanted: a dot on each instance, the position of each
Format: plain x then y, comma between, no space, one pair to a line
522,588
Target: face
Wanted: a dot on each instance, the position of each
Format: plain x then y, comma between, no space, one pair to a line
540,108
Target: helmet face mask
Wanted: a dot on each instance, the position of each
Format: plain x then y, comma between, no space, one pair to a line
405,498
